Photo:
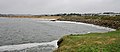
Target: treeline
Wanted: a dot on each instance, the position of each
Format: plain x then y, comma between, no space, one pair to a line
62,14
38,16
14,15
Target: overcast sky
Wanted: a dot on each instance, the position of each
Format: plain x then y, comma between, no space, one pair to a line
57,6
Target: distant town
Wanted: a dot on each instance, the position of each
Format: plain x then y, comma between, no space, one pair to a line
63,14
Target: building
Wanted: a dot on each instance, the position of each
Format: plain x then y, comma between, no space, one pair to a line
109,14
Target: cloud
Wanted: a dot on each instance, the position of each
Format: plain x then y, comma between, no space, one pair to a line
57,6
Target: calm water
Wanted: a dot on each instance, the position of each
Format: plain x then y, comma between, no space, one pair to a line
20,31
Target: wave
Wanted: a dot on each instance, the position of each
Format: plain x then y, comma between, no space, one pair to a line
92,25
27,46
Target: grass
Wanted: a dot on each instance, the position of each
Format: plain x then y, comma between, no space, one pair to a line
93,42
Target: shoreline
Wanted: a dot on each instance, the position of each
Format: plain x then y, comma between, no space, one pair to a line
92,25
30,45
91,41
12,47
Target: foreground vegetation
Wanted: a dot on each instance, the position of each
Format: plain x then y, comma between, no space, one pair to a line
93,42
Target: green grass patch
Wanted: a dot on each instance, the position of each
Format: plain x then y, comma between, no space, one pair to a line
93,42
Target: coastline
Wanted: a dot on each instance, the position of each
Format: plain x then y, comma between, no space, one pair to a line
92,25
31,45
91,42
37,44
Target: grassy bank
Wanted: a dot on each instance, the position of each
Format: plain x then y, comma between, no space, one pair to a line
93,42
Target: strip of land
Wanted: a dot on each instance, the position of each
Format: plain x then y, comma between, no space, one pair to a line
106,21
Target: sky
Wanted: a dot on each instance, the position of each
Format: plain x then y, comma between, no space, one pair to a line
58,6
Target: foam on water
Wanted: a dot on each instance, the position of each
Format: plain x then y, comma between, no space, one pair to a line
92,25
25,46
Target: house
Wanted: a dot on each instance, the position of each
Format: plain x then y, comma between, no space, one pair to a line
109,14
